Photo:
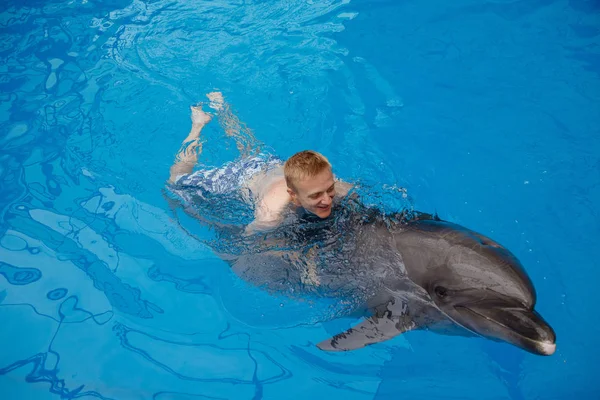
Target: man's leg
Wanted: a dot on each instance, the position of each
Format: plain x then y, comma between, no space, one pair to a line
243,136
191,147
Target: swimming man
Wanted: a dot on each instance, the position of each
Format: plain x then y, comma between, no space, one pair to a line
305,181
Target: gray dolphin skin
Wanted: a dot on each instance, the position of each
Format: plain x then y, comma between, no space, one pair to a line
462,276
404,272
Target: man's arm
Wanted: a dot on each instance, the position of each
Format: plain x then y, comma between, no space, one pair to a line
261,226
268,212
191,147
267,216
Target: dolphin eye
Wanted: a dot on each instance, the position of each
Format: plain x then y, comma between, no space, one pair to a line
440,291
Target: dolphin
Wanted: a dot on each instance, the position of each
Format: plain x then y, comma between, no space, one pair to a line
403,271
454,274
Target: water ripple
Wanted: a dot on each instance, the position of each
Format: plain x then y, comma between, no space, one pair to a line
57,294
19,276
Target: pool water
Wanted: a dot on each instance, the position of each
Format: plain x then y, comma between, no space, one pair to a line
486,112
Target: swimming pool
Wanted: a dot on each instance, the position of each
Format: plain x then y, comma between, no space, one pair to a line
487,112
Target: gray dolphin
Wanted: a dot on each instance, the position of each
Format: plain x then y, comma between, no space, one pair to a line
403,272
455,274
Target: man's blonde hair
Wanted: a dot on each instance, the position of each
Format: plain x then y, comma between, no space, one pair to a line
304,164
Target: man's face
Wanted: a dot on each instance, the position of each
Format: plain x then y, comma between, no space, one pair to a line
315,194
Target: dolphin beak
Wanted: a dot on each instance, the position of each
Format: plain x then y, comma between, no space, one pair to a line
515,325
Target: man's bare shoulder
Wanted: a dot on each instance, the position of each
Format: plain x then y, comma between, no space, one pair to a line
269,208
274,200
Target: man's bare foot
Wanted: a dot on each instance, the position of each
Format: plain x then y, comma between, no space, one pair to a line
200,117
216,100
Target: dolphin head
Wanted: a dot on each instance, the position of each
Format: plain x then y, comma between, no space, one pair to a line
476,282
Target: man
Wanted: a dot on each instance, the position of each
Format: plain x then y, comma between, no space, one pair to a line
305,181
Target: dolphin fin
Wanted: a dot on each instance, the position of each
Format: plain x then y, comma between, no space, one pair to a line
372,330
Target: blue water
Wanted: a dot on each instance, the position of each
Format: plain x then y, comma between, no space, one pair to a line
487,112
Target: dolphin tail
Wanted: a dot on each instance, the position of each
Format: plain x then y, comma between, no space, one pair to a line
371,330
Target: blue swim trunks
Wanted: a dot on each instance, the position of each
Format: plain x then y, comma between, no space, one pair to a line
229,178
